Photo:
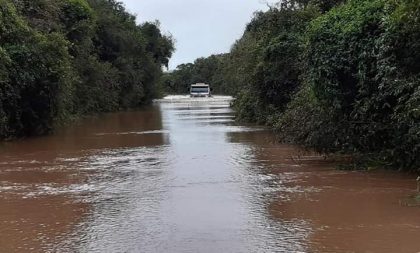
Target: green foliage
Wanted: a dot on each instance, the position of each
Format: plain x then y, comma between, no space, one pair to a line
97,89
241,61
276,77
362,74
64,58
34,75
42,15
306,123
137,52
268,60
77,18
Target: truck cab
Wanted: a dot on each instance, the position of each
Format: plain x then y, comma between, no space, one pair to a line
200,90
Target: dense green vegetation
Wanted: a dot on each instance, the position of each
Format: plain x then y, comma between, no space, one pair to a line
64,58
361,84
334,76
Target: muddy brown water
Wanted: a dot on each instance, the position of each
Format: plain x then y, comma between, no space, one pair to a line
181,176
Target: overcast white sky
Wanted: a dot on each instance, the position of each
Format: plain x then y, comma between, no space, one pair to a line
200,27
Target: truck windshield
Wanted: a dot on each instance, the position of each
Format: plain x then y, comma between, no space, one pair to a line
200,89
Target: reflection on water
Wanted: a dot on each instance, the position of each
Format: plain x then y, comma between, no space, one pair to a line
181,176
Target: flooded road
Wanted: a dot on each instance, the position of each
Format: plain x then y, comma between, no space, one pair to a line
181,176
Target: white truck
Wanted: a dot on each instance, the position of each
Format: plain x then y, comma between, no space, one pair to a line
200,90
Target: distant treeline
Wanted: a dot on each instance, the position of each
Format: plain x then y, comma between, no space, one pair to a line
203,70
64,58
332,75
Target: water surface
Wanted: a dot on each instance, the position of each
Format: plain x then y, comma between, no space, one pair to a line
181,176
